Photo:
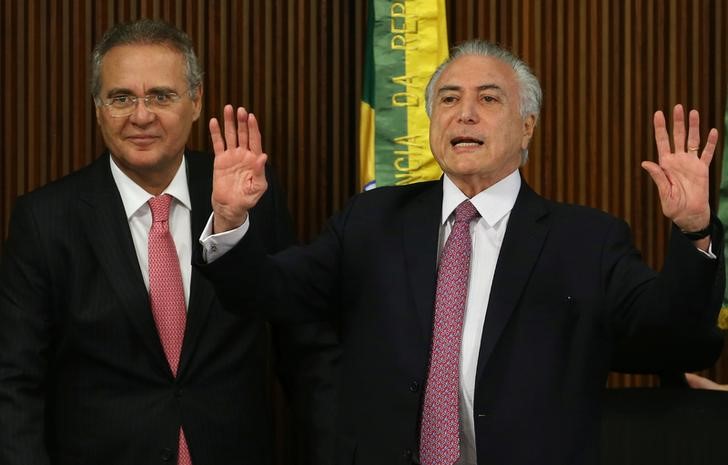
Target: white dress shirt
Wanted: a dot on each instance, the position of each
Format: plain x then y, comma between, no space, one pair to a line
215,246
139,216
494,205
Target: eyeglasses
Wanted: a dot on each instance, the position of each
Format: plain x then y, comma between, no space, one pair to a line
124,105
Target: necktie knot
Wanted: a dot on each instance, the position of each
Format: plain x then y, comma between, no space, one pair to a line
466,212
160,207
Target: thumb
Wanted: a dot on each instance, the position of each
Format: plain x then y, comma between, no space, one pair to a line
658,176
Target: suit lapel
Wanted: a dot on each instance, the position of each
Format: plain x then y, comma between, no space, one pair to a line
199,182
421,228
524,238
107,229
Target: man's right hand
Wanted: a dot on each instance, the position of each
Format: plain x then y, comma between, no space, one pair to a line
238,179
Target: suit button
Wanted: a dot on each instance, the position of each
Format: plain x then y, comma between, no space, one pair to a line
414,386
167,454
178,392
407,454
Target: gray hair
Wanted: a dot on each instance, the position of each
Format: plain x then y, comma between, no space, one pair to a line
146,32
529,88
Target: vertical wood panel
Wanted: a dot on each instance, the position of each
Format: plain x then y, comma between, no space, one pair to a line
601,87
604,66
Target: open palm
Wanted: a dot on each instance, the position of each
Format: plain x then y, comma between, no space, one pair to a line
238,179
682,174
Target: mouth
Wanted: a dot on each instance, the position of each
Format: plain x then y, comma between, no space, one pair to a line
142,139
465,142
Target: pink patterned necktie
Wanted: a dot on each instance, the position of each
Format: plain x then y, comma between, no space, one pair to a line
166,294
440,432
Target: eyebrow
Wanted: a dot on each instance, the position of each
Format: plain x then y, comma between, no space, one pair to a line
452,87
160,90
153,90
118,91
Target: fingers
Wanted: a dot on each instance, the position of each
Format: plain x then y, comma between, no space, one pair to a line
698,382
678,128
260,163
217,143
680,144
242,127
693,143
709,148
236,130
241,131
230,133
695,381
693,133
254,135
662,140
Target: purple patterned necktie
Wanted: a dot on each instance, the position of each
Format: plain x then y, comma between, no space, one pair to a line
440,432
167,294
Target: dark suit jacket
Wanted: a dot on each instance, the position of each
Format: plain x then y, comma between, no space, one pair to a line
82,369
568,284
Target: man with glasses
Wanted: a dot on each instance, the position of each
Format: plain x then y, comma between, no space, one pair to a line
113,350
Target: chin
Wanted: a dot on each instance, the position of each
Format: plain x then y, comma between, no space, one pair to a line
466,168
142,148
140,158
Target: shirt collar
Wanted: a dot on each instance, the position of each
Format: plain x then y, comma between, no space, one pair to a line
493,203
134,197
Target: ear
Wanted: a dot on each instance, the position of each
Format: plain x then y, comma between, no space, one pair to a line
197,103
529,124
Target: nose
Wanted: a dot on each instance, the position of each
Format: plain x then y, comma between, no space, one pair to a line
142,115
468,112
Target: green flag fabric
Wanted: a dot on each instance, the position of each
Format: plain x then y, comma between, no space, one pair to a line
406,41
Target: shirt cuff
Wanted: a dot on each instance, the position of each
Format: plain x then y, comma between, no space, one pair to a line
709,253
216,245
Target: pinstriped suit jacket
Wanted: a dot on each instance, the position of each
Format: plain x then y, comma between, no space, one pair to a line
83,377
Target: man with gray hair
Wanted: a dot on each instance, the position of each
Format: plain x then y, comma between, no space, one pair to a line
113,349
478,318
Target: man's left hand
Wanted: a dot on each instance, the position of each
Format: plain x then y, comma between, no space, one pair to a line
682,174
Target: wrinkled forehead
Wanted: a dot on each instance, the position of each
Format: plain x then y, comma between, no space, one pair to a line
142,66
476,71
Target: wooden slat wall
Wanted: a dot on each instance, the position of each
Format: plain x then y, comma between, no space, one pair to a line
605,66
296,64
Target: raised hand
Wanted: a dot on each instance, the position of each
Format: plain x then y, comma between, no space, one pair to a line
682,173
238,179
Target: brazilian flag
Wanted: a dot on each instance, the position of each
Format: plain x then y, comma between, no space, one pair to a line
406,41
723,213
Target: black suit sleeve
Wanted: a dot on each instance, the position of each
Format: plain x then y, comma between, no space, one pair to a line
25,323
682,333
